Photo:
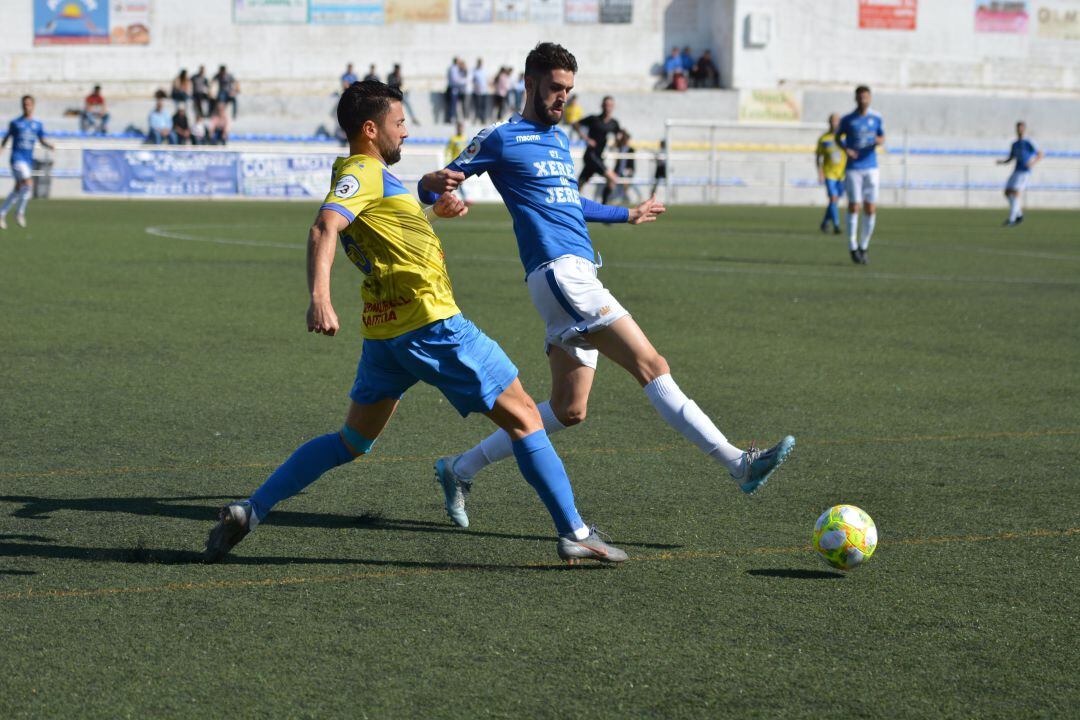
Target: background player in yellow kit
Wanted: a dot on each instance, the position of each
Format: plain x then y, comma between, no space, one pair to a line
831,160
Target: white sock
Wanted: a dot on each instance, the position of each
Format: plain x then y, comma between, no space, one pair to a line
1014,208
10,201
581,533
497,446
23,199
683,414
852,228
867,230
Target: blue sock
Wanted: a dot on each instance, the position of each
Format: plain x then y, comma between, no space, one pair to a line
543,469
303,467
834,210
828,215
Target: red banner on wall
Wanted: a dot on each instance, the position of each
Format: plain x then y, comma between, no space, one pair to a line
888,14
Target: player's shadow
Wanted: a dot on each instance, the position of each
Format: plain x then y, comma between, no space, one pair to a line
39,508
796,574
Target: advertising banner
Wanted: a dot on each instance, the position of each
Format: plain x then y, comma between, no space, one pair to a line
769,106
346,12
475,11
422,11
1059,21
129,22
582,11
1010,16
617,11
71,22
511,10
285,176
546,11
270,12
159,173
888,14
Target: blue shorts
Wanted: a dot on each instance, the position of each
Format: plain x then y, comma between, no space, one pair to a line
453,355
834,188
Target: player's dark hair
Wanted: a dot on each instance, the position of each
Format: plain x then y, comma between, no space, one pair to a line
546,57
363,101
25,98
861,89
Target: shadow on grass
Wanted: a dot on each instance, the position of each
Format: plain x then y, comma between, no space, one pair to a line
39,508
796,574
160,556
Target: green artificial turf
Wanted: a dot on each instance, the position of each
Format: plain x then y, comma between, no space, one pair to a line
148,377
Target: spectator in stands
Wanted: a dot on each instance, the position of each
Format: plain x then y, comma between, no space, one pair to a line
200,92
95,115
371,76
159,122
396,81
219,125
624,170
479,92
501,91
181,128
348,77
687,59
517,93
704,74
660,174
457,81
572,112
181,89
672,65
454,147
200,131
226,89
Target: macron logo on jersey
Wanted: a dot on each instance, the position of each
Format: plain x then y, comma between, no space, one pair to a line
526,138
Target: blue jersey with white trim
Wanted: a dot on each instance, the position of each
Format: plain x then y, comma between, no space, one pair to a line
531,167
1023,151
24,132
859,133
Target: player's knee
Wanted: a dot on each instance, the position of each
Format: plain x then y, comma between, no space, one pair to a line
355,443
652,367
572,415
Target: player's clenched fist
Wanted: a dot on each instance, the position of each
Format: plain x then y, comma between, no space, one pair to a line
450,205
321,318
443,181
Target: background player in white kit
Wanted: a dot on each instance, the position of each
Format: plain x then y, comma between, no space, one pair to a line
1026,154
860,133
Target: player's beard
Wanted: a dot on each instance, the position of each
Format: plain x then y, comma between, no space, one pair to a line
543,112
390,153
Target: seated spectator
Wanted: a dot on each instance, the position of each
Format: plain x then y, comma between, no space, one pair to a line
219,125
679,81
687,58
160,123
181,129
181,89
200,131
371,74
704,73
672,65
348,77
95,116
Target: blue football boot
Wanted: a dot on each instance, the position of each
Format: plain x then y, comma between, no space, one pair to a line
758,465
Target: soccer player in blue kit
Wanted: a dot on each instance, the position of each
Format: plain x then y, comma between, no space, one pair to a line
23,132
860,133
1026,154
412,328
528,160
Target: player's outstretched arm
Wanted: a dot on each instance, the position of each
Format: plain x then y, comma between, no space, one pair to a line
322,242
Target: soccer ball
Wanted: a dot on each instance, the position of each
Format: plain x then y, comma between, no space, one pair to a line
845,536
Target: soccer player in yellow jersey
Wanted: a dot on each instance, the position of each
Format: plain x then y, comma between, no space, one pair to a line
831,161
412,330
454,147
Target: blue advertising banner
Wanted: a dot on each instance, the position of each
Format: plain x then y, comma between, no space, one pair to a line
71,22
160,172
286,176
346,12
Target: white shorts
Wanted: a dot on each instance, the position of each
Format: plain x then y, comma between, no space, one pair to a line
862,185
22,171
573,302
1018,180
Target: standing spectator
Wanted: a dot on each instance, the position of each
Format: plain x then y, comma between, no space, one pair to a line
219,125
200,92
159,122
348,77
594,130
181,128
181,89
479,92
517,93
227,89
704,74
660,174
501,87
396,81
624,170
457,81
572,112
371,76
672,65
95,115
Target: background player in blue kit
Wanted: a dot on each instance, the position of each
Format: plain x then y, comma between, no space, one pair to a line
860,133
1026,154
23,132
528,161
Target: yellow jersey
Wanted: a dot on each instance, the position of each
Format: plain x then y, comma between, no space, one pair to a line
572,113
390,239
455,147
834,159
